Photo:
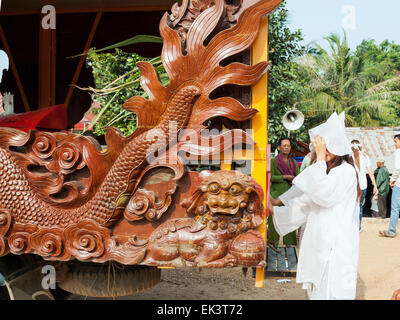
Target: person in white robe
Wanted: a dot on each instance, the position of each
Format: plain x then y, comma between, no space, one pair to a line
323,200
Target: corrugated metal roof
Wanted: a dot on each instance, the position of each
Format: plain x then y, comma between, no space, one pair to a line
377,143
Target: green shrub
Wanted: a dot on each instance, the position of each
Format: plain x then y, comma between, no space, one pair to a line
116,80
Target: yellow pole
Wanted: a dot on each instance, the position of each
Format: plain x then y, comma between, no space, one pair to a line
259,126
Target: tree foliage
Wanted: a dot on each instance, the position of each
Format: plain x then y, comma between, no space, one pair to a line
382,64
117,78
338,79
284,84
381,61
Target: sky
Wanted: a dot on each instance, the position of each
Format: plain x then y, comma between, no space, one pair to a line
362,19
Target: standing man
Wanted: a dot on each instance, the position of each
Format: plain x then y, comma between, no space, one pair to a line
382,181
363,166
395,184
283,170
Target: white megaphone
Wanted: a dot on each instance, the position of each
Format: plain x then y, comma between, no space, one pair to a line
293,119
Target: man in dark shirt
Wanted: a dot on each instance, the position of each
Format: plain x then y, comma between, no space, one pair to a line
382,181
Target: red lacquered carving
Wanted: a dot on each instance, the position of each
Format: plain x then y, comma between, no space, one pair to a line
61,197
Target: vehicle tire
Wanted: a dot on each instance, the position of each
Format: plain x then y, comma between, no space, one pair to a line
107,280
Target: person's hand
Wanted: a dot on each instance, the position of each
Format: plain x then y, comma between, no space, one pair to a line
271,207
275,202
288,177
319,148
376,191
392,184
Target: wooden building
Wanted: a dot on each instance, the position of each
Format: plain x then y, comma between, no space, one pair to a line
42,72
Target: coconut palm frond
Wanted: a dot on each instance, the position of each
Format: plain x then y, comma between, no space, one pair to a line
338,80
384,85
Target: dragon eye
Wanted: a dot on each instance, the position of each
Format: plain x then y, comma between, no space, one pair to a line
214,187
235,189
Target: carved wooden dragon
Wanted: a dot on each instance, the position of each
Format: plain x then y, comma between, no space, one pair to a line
60,195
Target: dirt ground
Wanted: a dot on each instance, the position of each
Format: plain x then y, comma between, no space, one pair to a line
378,276
379,263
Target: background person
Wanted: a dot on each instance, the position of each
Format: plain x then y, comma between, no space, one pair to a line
325,198
363,166
395,185
382,181
283,170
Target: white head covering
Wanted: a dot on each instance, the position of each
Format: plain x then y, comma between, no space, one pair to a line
333,132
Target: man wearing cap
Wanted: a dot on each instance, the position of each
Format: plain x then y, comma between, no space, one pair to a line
324,198
382,181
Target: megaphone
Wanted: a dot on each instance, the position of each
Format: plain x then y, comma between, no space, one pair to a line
293,119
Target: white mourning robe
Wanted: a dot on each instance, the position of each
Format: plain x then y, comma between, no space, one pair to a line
326,207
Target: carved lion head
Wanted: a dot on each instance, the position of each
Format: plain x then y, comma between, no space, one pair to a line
227,196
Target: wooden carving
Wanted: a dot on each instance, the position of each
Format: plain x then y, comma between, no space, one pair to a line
61,197
227,211
183,16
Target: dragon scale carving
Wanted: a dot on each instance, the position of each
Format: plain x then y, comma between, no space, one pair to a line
61,197
28,208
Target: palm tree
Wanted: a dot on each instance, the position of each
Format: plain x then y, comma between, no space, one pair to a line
338,81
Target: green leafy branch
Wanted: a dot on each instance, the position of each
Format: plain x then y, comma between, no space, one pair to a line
117,78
